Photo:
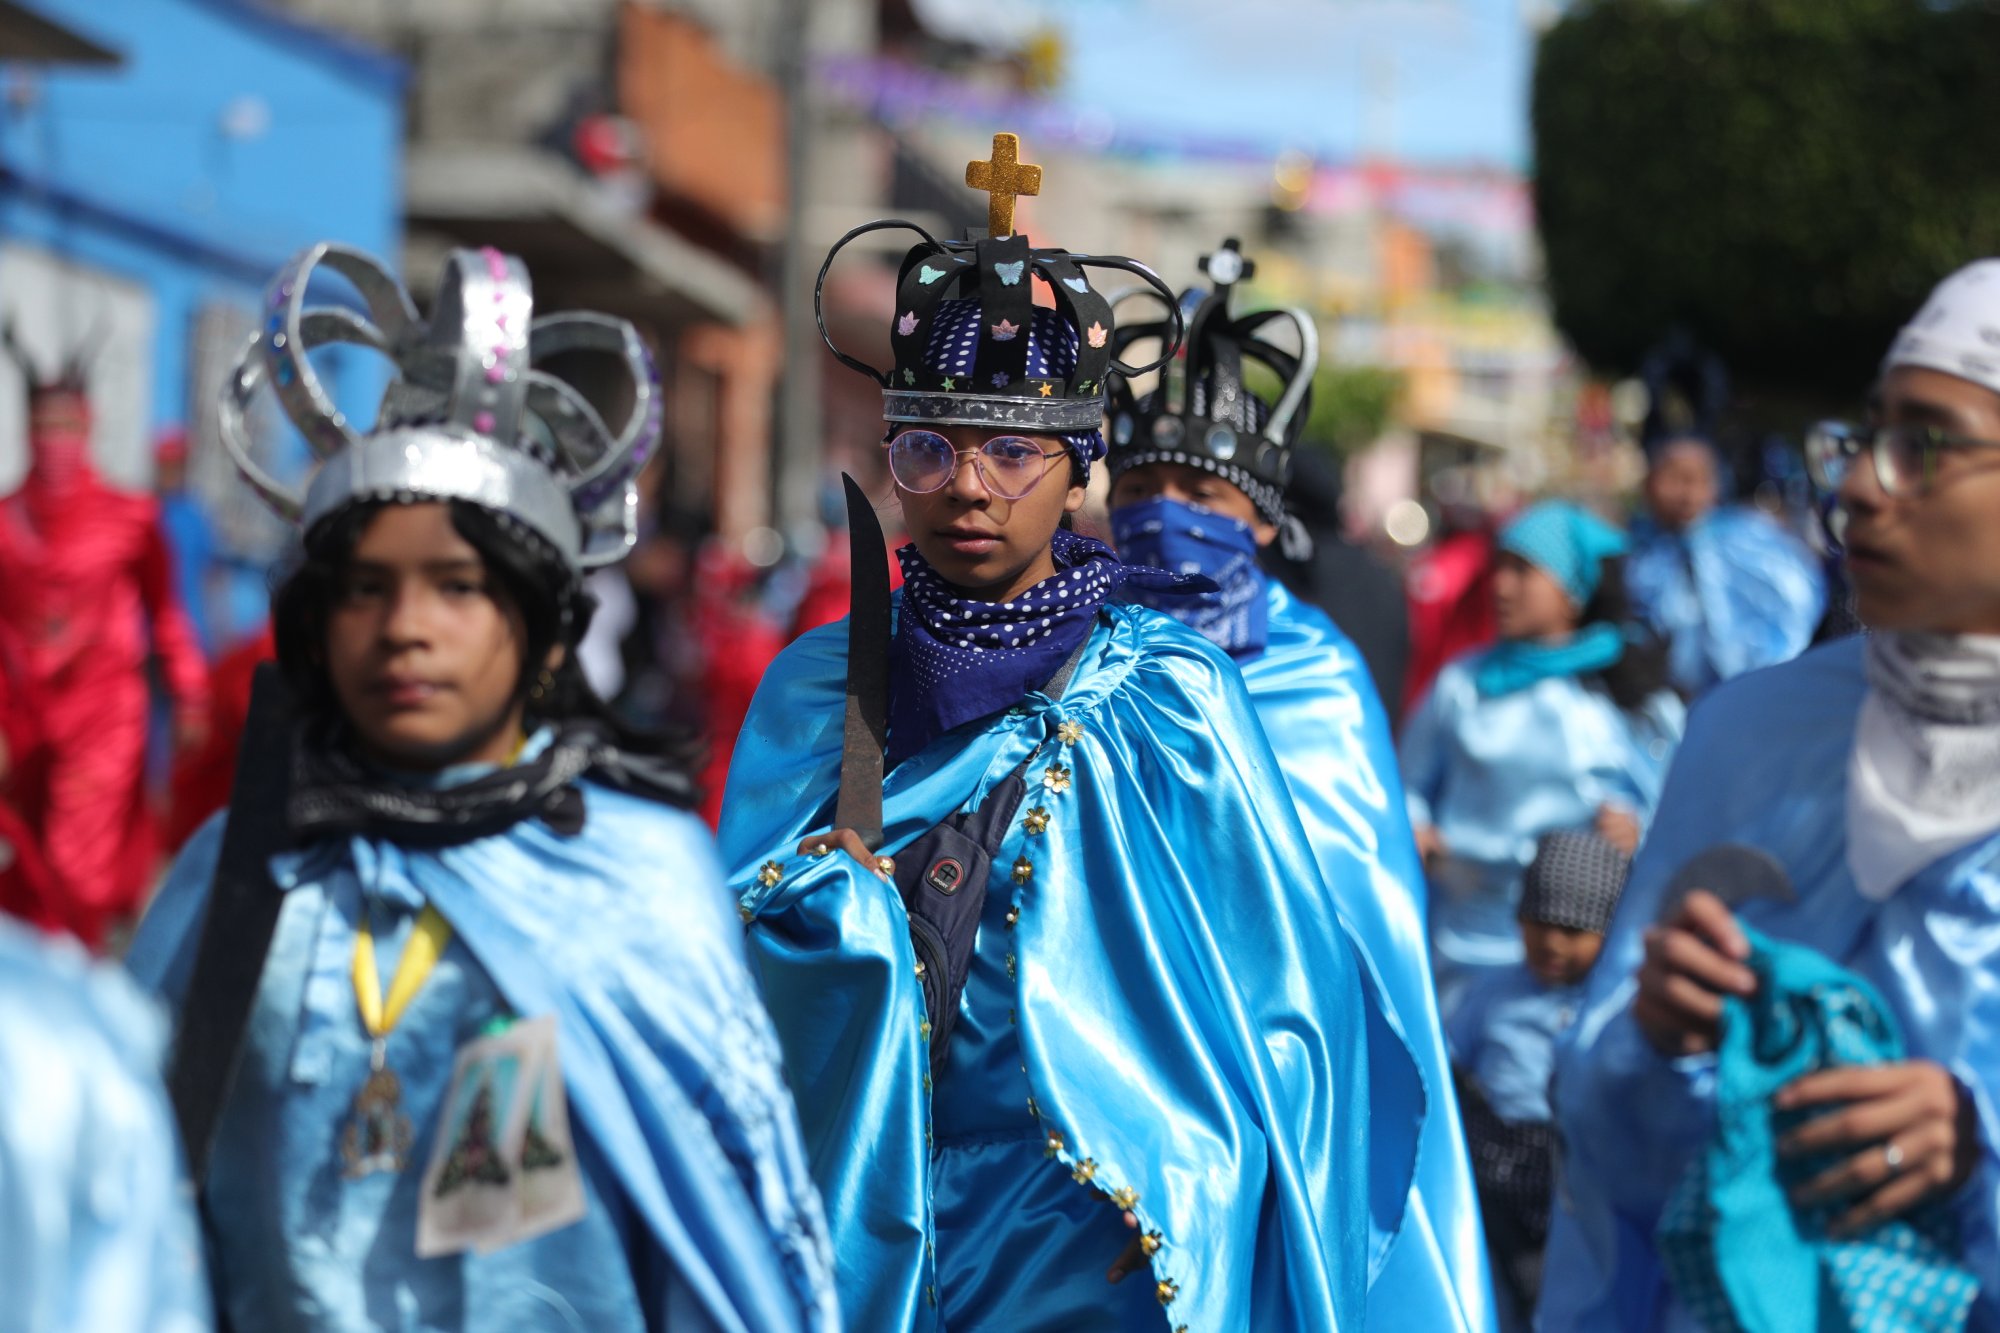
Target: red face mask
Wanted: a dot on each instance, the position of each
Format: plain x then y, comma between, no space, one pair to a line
61,457
59,442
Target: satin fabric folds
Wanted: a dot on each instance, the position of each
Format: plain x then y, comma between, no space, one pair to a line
1190,1011
1331,734
99,1230
1732,593
1765,764
623,934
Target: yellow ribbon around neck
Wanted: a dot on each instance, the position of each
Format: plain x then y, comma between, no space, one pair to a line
420,955
380,1014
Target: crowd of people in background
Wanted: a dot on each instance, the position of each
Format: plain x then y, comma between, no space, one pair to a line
1484,942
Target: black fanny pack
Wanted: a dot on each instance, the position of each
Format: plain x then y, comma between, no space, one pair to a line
943,878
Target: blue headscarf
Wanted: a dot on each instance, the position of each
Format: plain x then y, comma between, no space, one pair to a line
958,326
1569,544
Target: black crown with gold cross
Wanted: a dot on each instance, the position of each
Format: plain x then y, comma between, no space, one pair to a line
999,386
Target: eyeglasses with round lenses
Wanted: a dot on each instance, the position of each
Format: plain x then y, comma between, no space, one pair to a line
923,461
1905,457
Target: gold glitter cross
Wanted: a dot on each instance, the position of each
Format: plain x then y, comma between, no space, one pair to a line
1003,178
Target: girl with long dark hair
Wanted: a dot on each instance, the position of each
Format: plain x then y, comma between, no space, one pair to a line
503,1067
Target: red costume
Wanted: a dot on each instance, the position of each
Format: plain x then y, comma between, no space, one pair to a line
831,585
84,573
736,642
204,774
1451,607
25,891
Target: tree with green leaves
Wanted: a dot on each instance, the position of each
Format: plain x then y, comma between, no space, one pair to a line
1351,406
1784,179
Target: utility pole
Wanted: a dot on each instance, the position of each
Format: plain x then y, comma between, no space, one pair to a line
796,455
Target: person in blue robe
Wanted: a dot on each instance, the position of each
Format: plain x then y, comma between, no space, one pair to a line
1207,501
474,851
1725,586
1864,771
95,1227
1503,1046
1566,723
1151,1108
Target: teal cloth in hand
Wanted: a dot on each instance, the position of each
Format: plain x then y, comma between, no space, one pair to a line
1741,1258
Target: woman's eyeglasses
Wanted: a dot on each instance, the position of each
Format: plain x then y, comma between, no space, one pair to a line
923,461
1905,457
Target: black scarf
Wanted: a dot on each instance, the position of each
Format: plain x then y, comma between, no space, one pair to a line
334,793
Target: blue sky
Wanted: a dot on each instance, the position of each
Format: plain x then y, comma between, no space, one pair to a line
1424,81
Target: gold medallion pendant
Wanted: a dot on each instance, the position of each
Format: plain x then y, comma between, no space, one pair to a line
378,1134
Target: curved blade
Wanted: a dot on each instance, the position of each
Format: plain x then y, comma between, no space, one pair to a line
859,805
1733,872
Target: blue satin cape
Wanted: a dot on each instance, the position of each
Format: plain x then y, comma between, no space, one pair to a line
1732,593
623,933
1188,1007
1493,774
1313,693
96,1231
1765,764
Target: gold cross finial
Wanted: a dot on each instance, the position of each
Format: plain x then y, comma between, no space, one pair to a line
1003,178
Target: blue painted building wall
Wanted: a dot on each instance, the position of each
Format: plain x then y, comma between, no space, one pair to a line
228,139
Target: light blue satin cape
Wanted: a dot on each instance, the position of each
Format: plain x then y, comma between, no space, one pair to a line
1330,733
1765,764
96,1231
1494,773
702,1212
1504,1037
1189,1010
1732,593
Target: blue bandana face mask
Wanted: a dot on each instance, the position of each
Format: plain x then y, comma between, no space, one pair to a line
1182,539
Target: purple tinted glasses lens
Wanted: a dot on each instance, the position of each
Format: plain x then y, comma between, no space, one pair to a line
923,461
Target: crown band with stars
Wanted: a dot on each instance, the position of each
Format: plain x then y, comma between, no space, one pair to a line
1000,387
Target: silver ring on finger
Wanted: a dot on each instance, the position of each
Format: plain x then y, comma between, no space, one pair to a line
1892,1157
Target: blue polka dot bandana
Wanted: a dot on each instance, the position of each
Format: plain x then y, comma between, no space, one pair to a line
1052,348
957,660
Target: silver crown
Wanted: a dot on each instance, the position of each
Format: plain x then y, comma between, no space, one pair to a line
468,416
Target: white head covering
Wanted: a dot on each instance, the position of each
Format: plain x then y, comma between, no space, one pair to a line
1958,330
1928,739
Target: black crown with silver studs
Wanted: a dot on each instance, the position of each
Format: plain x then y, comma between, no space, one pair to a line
1204,416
